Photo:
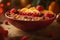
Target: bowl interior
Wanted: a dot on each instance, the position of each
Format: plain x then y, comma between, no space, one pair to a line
6,14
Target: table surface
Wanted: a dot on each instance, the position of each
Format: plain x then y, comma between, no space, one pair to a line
52,32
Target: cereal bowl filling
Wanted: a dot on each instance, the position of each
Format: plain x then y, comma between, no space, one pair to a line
30,14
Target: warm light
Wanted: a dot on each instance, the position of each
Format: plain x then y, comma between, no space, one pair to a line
0,1
24,2
1,10
8,3
1,5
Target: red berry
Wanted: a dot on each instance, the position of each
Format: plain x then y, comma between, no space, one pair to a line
13,10
30,14
24,38
39,8
49,15
35,15
22,13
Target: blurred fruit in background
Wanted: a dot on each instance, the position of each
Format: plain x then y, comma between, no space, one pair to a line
54,7
24,3
8,3
1,5
1,12
4,6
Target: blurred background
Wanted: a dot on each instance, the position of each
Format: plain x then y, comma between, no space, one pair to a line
8,4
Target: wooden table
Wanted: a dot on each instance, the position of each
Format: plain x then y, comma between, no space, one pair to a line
44,34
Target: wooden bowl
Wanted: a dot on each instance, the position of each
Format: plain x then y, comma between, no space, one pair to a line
30,25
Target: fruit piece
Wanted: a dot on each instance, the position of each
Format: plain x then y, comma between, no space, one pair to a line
13,10
49,15
17,16
39,8
30,14
54,7
35,15
22,13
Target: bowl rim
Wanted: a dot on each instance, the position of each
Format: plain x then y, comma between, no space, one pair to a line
23,20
